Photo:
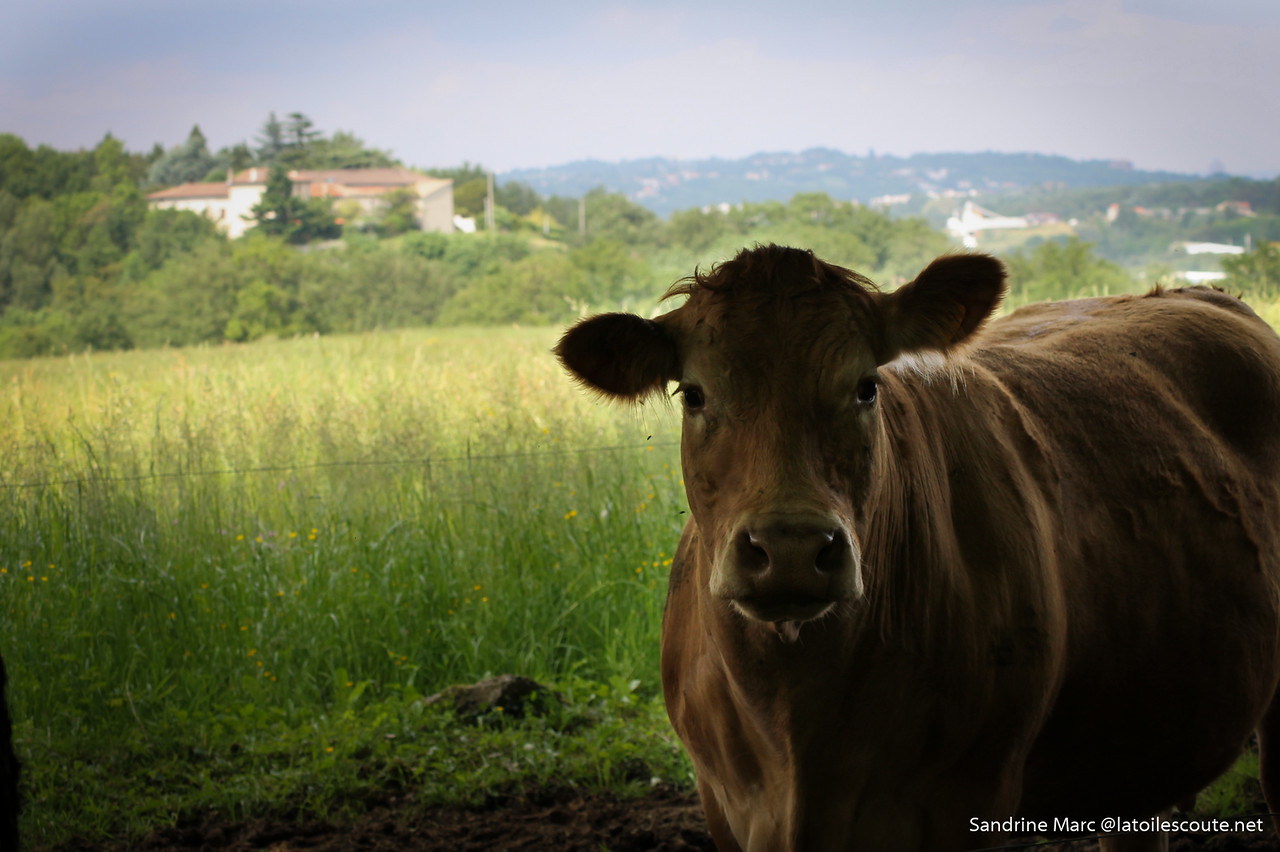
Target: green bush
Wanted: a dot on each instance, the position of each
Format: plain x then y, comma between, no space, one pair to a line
1054,270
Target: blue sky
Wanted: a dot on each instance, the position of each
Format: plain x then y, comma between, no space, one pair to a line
1168,84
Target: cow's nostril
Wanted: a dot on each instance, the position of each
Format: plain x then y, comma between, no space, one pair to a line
833,555
791,548
752,554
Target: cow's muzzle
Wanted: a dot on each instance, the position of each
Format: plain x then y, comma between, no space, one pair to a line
787,569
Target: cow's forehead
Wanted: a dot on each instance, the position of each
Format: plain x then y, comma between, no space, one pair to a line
785,355
819,328
775,317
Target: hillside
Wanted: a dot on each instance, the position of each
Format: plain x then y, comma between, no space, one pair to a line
665,185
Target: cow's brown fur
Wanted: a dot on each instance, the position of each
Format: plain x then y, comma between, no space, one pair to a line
1063,530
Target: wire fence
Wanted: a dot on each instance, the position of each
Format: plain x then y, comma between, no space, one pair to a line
353,463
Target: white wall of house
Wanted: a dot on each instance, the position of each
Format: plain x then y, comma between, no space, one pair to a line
435,207
242,198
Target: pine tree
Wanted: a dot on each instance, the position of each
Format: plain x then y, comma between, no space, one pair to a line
270,140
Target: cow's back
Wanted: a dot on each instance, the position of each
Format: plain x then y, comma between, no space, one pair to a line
1156,425
1197,348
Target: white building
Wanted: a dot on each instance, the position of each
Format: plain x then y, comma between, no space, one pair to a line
973,219
230,204
1207,248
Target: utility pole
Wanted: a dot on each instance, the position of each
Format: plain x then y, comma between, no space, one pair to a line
582,215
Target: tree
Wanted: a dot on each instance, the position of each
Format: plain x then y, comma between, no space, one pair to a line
399,212
233,158
188,300
17,164
696,230
223,291
519,198
270,140
427,245
469,196
29,256
185,163
43,172
9,207
479,255
299,131
164,234
110,165
278,205
261,309
542,288
612,272
347,151
126,210
1055,270
297,220
381,286
613,215
299,135
1256,273
818,208
461,174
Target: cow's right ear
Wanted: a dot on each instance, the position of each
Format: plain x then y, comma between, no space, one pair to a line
620,355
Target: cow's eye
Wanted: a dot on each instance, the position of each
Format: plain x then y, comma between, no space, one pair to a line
867,389
693,398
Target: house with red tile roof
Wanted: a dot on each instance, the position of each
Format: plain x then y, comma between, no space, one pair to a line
230,203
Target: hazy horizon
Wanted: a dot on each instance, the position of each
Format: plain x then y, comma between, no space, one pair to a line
1173,86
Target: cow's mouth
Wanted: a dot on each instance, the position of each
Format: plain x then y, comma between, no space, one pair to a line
784,610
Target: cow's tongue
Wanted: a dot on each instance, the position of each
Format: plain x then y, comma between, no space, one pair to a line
788,631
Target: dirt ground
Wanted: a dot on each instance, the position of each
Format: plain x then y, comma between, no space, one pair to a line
664,821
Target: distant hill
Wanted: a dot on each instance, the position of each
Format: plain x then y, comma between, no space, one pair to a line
665,185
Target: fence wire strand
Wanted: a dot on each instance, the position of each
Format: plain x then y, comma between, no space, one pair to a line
282,468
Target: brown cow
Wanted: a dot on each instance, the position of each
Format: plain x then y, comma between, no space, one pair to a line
943,580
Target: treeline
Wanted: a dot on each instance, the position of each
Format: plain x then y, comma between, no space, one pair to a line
84,264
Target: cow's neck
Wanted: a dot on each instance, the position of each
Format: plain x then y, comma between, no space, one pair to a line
842,672
804,707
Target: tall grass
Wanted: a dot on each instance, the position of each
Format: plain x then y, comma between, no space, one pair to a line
184,533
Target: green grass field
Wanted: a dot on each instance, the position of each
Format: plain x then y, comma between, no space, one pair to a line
230,574
225,568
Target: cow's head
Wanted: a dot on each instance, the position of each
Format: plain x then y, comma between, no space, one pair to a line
776,356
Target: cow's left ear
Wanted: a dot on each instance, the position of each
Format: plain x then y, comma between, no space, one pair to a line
620,355
946,304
